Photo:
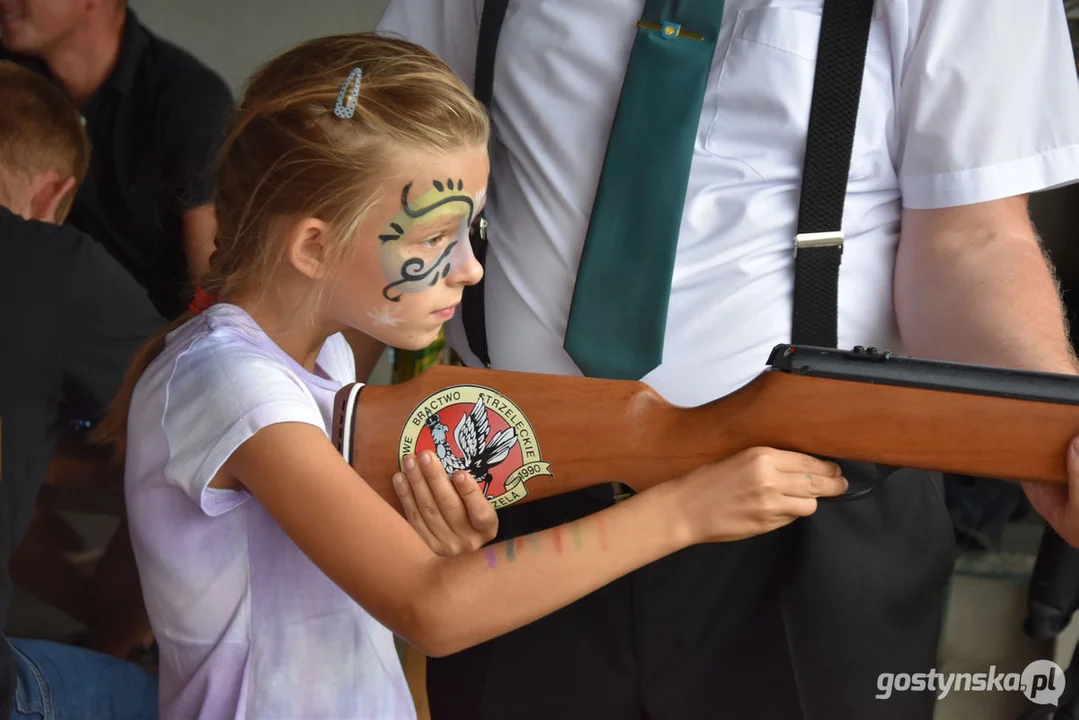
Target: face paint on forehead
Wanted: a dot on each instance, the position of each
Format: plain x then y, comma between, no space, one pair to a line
410,274
441,200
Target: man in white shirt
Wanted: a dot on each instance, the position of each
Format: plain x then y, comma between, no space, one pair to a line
965,109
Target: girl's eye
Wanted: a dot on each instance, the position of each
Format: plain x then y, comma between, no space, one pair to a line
435,240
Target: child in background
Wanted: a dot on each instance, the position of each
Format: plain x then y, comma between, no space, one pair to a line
70,320
273,575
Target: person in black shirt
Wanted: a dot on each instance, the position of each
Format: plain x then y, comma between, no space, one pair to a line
156,117
71,318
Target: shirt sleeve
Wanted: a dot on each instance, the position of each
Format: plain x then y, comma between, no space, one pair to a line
111,316
448,28
218,396
196,120
988,102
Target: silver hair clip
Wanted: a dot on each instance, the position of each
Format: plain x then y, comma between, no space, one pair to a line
345,110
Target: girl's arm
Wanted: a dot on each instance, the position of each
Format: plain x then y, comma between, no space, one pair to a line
444,604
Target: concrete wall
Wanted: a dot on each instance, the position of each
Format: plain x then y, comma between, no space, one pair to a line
235,36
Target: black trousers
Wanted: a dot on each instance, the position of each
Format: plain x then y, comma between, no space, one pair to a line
794,625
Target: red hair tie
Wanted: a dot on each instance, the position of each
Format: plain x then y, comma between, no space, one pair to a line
201,301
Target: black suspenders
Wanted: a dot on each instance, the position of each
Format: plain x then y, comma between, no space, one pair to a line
837,87
818,245
472,303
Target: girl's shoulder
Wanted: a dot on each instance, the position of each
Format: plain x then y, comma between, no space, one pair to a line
221,362
227,338
221,340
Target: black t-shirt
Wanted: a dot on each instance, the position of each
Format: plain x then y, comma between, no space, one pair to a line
70,320
156,126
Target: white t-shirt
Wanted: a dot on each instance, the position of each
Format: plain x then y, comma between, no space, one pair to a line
246,624
962,102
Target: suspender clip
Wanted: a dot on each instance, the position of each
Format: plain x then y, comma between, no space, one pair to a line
818,239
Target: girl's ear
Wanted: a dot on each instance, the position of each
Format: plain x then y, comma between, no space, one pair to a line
307,247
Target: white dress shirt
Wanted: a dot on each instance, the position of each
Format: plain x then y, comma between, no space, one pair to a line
962,102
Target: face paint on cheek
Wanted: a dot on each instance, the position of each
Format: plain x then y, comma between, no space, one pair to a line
385,316
412,274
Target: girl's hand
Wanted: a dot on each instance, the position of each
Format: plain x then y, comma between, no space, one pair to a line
452,517
754,492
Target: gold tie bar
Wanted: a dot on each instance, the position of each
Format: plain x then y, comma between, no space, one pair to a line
670,30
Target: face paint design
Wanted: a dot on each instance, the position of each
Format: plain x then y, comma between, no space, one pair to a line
402,252
385,316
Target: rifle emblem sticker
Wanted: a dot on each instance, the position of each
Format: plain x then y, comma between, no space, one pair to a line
476,429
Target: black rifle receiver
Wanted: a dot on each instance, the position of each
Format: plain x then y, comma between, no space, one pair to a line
871,365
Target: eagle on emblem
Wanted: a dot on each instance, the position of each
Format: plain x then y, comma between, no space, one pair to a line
479,454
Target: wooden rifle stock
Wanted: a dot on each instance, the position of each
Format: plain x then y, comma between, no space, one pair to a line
528,436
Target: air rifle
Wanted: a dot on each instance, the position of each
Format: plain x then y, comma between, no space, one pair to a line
526,436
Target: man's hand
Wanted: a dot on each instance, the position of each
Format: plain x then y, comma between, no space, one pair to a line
452,518
1059,504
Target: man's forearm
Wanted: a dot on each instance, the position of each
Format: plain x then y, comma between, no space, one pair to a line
973,285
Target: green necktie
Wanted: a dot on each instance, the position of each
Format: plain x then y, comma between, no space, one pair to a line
619,310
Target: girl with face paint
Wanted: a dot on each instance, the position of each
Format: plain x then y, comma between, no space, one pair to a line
273,575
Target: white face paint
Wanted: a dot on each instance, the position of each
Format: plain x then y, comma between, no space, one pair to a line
384,316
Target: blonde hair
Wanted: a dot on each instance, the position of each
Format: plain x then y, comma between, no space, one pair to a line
288,155
40,130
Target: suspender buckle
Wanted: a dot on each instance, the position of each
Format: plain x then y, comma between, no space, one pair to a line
818,239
